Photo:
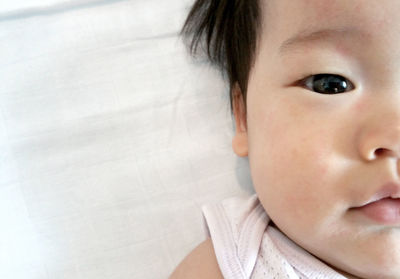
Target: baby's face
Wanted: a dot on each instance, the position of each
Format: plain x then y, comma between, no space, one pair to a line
316,158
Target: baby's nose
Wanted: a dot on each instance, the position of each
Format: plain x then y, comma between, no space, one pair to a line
380,137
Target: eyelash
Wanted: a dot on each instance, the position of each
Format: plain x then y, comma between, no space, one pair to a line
310,80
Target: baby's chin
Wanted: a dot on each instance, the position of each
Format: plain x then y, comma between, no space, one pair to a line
363,271
373,262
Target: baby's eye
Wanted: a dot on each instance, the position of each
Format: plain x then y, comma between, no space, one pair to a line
327,84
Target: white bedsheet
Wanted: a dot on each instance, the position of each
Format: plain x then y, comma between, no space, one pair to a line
111,138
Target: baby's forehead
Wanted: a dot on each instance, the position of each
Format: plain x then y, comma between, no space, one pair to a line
362,20
286,16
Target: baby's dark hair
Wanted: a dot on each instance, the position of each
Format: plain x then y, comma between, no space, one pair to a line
228,29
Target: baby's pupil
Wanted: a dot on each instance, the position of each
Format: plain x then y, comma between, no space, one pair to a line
327,83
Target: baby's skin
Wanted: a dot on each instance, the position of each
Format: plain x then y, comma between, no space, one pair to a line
320,147
321,129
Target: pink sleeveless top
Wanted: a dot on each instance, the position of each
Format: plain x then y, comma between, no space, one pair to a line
247,247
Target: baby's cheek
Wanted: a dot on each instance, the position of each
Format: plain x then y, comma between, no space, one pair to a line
289,160
308,173
321,159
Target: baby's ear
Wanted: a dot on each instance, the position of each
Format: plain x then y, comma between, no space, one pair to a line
239,142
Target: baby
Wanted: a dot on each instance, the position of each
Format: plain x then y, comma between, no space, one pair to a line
315,91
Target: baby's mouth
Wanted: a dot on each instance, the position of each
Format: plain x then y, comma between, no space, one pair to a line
384,206
385,211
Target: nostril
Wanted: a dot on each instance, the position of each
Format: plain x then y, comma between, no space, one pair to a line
385,152
380,151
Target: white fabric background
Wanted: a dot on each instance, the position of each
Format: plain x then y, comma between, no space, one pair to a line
111,138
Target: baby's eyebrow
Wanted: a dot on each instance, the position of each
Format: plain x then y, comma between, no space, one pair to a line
307,36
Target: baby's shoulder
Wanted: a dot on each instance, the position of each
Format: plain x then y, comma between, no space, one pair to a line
199,264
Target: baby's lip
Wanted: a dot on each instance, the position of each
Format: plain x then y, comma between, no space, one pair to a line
384,211
384,206
387,190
